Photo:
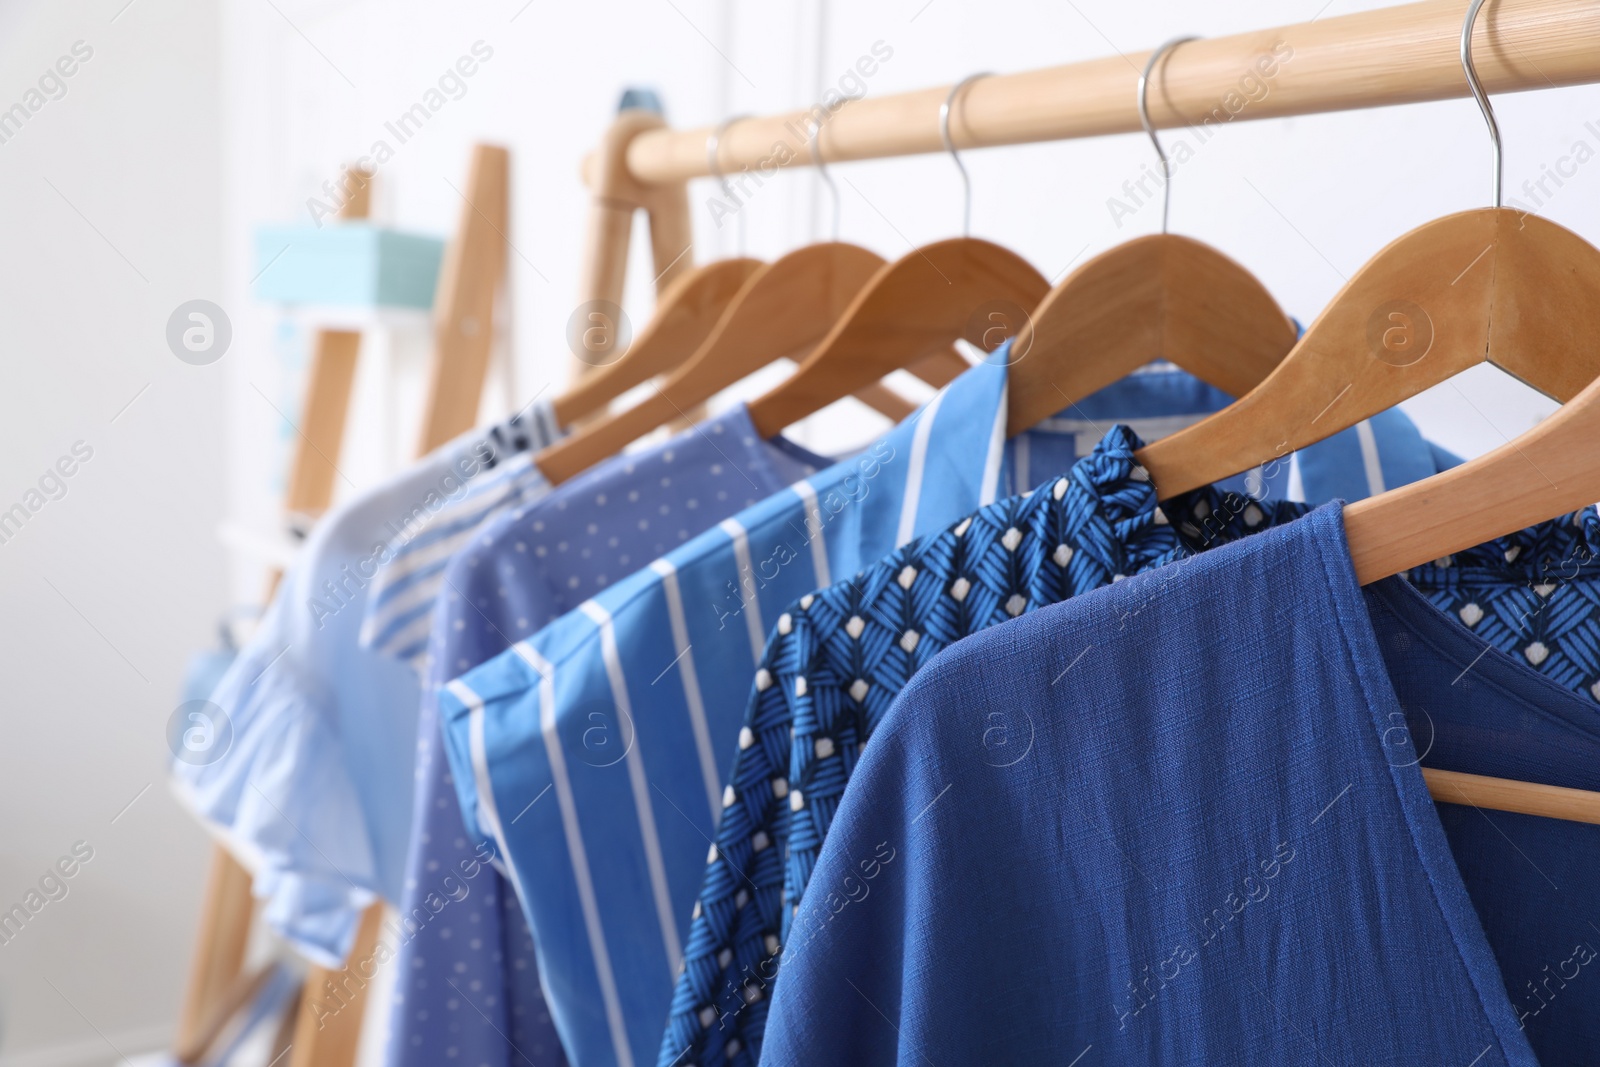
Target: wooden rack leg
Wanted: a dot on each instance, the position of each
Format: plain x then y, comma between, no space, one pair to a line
332,374
328,1026
225,915
219,954
474,267
333,1004
616,197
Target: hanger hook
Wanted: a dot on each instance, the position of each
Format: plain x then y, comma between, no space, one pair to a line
815,141
713,147
1144,120
950,146
1478,94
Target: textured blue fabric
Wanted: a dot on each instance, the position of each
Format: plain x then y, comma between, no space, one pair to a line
468,986
1180,820
1479,708
838,657
658,668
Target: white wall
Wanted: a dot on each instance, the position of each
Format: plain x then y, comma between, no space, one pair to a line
267,100
111,196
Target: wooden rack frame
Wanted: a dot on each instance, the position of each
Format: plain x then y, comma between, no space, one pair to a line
1397,55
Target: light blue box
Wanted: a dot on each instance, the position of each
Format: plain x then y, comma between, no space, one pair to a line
346,264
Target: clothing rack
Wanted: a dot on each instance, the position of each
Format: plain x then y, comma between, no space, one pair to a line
1398,55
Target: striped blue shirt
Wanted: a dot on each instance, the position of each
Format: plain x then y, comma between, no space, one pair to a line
400,602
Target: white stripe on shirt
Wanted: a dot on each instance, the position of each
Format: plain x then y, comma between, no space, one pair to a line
488,811
919,460
642,804
691,687
1023,458
819,550
752,605
577,853
1370,462
997,452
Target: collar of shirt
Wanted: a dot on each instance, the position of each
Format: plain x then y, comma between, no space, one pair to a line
421,543
627,710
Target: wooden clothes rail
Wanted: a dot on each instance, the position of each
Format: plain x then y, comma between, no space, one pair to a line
1397,55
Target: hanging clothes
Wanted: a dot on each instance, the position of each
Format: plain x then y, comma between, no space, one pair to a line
400,603
322,821
839,657
1182,821
660,664
524,568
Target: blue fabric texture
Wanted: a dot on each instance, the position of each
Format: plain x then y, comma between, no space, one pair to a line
644,686
593,753
839,657
400,602
322,821
468,989
1180,820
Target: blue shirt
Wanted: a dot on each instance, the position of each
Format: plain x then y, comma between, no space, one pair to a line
1180,820
839,657
645,684
468,982
323,824
399,605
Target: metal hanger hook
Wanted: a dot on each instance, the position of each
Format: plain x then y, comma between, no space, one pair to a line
950,146
815,143
1144,120
713,146
1479,95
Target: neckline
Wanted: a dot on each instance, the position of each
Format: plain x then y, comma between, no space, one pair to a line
1352,621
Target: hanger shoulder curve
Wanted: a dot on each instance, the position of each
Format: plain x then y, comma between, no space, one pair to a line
1160,296
1488,284
685,314
919,304
1549,471
782,308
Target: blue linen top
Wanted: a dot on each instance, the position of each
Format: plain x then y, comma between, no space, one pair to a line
644,686
323,822
1180,820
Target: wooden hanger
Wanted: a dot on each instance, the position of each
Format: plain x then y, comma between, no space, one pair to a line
1156,297
779,311
1547,472
1516,290
912,308
782,310
685,315
1490,285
